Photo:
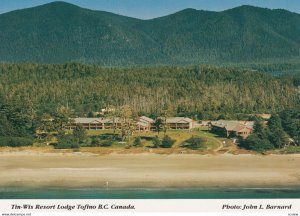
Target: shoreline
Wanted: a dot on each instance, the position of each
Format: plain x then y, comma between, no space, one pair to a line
148,193
147,187
73,170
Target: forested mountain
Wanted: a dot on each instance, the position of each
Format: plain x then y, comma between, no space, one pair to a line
60,32
195,91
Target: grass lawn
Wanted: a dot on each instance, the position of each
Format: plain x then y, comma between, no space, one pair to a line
99,132
291,150
211,141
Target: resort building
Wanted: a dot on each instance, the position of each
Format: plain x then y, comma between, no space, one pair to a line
112,123
145,123
228,128
87,123
142,124
178,123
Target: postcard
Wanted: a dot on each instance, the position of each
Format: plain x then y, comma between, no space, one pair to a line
167,107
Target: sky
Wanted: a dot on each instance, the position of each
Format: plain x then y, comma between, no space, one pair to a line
147,9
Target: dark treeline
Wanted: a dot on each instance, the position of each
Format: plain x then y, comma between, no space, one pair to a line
202,92
31,95
278,67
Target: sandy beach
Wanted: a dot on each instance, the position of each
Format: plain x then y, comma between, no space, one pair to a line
148,170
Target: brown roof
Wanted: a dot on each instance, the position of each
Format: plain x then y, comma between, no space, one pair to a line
144,124
146,119
178,120
232,125
241,128
87,120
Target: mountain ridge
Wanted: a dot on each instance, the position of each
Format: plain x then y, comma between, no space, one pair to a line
62,3
60,32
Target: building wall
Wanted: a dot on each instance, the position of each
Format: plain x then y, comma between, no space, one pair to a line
110,125
244,133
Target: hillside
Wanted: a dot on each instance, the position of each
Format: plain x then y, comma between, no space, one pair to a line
187,91
60,32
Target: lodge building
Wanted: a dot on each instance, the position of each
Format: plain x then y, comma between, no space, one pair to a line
179,123
230,128
143,124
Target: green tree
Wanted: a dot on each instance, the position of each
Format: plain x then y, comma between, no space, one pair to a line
167,142
90,114
279,138
62,117
45,126
128,124
6,129
193,143
291,122
254,142
137,142
79,133
258,126
166,112
156,142
158,124
17,118
113,113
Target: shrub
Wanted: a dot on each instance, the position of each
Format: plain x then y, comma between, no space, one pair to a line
98,142
87,142
66,145
15,141
62,145
67,142
106,143
291,150
156,142
137,141
193,143
75,145
167,142
110,136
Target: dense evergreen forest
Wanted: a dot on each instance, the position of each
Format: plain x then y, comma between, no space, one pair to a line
59,32
32,93
275,68
196,91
